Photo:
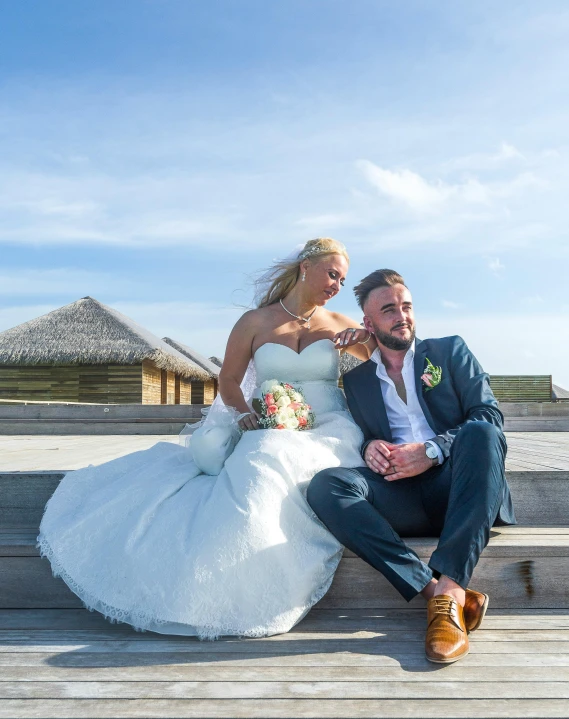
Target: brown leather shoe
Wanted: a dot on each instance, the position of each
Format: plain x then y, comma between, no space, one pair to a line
447,639
475,606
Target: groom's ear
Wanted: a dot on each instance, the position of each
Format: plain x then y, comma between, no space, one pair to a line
368,325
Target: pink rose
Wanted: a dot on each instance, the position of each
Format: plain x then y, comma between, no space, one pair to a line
427,379
272,409
280,426
295,405
269,399
302,422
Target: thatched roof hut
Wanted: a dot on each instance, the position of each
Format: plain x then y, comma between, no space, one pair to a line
88,352
207,365
560,394
88,332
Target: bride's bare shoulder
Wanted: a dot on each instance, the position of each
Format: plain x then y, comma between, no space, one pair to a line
253,320
338,322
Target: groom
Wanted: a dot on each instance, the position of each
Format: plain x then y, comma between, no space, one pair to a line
434,454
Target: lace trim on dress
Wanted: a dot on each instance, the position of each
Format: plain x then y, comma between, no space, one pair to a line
143,621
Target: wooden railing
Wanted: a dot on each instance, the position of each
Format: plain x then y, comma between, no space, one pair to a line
522,388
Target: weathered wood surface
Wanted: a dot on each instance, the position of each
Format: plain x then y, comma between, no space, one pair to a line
72,383
537,451
318,620
540,498
518,667
538,583
286,708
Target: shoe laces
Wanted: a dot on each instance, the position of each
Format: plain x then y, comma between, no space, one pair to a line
443,605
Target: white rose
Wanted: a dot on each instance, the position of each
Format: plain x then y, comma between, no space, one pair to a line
291,423
270,386
283,401
281,417
297,397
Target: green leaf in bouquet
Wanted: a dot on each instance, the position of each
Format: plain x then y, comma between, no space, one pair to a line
258,406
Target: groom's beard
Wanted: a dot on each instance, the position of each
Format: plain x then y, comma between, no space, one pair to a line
393,343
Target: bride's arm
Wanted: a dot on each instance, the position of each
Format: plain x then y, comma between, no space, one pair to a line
361,344
237,357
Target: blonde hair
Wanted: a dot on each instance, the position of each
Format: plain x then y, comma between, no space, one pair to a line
276,282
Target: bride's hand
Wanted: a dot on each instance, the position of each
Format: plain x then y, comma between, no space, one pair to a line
249,421
351,336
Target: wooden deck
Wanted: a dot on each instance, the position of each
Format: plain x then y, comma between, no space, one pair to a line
348,658
543,451
336,663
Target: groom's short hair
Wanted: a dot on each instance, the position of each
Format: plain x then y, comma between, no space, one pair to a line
379,278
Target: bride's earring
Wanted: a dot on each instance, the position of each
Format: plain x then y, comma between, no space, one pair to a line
303,275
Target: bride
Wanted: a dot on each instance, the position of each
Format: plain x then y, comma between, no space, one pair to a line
151,540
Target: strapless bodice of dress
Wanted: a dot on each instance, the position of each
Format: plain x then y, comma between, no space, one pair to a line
315,371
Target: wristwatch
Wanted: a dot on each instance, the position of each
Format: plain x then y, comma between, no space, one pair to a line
431,450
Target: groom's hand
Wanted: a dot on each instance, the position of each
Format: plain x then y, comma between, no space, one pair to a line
377,456
407,460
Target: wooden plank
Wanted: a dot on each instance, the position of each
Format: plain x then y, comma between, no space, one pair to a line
459,673
20,637
513,581
114,658
363,643
285,708
270,690
317,620
539,497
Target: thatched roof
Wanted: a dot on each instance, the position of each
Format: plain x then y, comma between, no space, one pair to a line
87,332
559,393
348,362
206,364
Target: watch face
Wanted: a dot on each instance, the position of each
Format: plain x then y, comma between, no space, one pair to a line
431,452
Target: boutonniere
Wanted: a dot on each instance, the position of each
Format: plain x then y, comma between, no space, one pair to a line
431,376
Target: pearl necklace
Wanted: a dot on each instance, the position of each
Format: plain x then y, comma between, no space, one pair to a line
301,319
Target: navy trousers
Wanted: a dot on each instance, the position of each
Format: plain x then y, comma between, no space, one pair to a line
457,501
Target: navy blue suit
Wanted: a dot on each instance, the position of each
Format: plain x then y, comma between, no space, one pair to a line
458,501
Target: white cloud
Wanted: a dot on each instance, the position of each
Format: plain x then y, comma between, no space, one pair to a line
495,266
487,160
451,305
68,281
406,187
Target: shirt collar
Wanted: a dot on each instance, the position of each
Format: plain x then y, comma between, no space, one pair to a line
409,356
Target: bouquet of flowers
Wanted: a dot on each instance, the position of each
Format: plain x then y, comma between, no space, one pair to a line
281,406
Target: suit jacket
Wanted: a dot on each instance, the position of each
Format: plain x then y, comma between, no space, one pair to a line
463,395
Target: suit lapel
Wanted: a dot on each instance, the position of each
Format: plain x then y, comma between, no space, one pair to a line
420,361
375,401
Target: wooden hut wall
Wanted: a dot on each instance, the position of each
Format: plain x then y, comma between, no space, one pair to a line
151,382
203,392
113,384
170,388
185,391
209,392
197,392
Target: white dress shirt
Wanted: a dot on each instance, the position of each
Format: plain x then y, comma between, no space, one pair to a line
407,421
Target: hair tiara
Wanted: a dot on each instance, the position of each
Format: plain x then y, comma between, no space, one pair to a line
319,251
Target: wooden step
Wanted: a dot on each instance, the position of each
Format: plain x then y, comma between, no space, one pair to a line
335,663
58,427
522,568
540,498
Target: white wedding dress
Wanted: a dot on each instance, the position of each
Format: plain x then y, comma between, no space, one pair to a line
149,540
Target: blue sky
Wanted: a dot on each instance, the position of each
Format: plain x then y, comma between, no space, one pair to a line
154,153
